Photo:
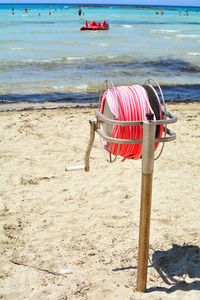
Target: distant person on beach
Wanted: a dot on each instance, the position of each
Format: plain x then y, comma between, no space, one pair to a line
186,13
79,11
179,13
25,10
161,12
156,12
49,13
13,11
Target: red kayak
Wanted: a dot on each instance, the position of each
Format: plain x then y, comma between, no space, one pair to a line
95,26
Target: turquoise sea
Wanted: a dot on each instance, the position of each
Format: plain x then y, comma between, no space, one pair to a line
45,57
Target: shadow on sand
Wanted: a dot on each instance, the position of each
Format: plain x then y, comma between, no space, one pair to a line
173,266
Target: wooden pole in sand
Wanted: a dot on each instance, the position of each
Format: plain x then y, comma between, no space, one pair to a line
145,206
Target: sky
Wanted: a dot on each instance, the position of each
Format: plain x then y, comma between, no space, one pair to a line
142,2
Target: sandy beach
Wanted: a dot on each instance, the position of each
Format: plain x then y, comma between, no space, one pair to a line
88,223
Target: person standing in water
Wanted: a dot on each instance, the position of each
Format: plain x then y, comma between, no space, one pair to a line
186,13
79,11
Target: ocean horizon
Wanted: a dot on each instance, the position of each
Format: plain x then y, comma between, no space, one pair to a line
45,57
102,5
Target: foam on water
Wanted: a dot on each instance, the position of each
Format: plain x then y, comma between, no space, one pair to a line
193,53
165,30
76,58
127,26
16,48
188,35
75,88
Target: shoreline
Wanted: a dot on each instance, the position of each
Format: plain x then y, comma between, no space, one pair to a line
20,106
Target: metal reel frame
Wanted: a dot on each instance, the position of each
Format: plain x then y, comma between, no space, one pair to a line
162,101
96,125
106,82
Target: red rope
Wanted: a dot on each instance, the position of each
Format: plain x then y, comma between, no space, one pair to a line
132,105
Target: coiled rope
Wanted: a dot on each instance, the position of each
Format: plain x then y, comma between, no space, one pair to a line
131,103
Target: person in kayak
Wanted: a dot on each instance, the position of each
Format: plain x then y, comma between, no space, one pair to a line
104,24
92,23
95,26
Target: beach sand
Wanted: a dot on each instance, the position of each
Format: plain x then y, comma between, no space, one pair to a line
88,222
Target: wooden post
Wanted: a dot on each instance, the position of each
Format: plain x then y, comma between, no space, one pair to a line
145,206
90,144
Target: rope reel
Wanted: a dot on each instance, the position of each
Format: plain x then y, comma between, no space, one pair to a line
130,103
121,118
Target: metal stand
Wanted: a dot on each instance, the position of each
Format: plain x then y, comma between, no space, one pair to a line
148,149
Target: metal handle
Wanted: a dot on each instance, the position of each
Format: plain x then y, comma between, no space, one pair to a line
86,166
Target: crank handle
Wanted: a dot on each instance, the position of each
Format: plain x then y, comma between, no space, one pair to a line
75,168
85,167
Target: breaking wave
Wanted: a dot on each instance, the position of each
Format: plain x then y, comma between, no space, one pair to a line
102,62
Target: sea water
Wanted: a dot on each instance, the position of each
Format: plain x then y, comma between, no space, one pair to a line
45,57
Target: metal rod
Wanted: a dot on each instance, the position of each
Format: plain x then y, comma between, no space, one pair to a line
171,119
116,140
145,206
115,122
171,137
